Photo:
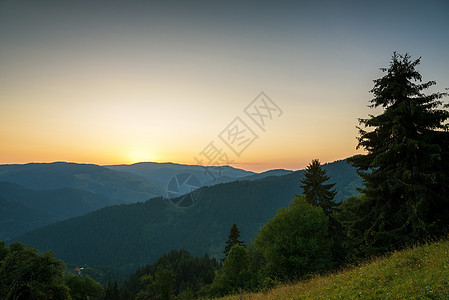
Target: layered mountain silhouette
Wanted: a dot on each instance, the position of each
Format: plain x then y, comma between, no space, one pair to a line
37,194
166,173
124,187
127,236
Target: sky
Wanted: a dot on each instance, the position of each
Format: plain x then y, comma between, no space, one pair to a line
257,84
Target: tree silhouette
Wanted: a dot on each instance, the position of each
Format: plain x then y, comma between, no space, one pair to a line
315,191
406,168
233,239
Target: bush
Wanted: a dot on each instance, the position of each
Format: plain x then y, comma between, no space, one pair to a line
235,274
295,242
84,287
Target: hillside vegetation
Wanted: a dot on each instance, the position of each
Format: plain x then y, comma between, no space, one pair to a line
34,195
128,236
418,273
25,209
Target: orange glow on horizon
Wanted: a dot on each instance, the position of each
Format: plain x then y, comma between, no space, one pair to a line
136,157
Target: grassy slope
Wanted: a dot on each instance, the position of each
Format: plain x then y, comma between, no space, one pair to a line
418,273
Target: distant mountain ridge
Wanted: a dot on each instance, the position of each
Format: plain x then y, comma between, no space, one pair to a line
38,194
165,173
125,188
275,172
127,236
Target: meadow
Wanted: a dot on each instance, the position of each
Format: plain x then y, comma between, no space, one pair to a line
421,272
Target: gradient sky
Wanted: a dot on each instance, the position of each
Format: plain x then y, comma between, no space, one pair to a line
111,82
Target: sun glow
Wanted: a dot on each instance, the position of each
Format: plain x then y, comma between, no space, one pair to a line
140,155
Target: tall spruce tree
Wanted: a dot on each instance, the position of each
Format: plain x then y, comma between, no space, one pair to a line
406,168
233,239
316,192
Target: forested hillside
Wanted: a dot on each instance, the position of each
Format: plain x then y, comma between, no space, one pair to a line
127,236
17,217
24,209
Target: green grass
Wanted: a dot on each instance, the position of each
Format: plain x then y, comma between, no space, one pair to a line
418,273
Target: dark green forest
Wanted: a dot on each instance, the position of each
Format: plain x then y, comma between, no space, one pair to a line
129,236
268,231
25,209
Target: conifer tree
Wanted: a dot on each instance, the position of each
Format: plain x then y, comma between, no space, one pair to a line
315,191
406,168
233,239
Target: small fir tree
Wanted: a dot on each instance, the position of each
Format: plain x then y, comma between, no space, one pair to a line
233,239
315,191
